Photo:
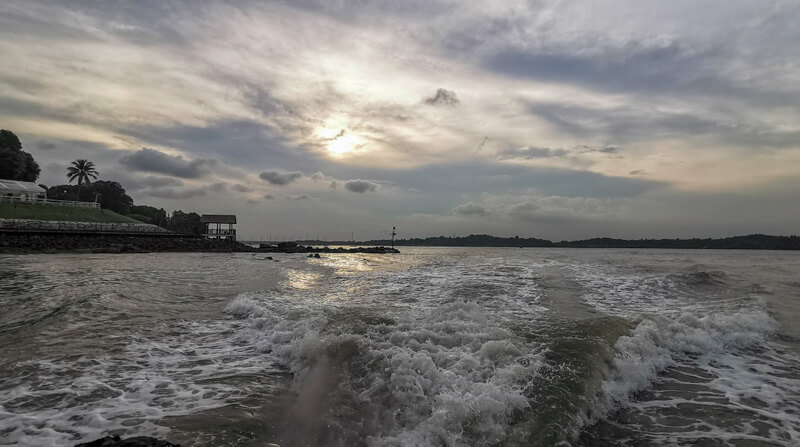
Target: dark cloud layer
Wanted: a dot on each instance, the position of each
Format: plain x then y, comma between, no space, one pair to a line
361,186
151,160
280,178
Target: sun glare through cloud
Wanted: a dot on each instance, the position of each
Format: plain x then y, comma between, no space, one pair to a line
343,144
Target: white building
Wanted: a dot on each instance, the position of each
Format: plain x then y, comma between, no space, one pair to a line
21,191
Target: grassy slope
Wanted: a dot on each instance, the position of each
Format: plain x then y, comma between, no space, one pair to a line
48,212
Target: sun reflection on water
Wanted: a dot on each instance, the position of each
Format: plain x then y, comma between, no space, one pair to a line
302,280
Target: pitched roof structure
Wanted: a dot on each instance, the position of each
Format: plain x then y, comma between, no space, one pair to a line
218,218
17,187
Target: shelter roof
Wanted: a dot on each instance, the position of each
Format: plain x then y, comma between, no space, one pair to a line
218,218
15,186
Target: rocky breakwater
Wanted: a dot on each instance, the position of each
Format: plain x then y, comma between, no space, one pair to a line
52,242
22,242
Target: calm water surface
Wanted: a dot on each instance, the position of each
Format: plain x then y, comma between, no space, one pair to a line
435,346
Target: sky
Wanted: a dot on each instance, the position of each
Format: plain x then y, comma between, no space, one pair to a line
338,119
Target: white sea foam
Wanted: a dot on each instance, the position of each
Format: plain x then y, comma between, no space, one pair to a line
660,342
442,370
128,392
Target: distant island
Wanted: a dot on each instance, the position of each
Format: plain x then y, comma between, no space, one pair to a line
750,242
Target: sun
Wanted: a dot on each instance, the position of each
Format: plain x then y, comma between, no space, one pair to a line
342,144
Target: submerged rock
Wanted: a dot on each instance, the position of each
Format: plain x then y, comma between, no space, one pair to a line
137,441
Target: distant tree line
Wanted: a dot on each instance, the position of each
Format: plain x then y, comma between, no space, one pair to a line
473,240
750,242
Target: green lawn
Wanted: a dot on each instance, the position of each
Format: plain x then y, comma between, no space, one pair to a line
50,212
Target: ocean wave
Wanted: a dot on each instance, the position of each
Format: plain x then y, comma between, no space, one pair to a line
676,372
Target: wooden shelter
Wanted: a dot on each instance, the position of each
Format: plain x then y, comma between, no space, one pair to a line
214,226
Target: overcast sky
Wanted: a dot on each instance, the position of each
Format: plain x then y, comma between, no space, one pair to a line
550,119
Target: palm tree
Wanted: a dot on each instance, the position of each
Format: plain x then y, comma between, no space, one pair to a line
81,170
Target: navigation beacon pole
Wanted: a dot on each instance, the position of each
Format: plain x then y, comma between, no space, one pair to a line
393,235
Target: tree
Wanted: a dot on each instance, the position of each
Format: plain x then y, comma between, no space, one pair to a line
81,170
16,164
110,195
149,214
188,223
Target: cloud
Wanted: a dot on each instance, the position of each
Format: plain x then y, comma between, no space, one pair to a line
159,182
524,210
530,153
471,209
171,193
361,186
605,149
133,181
280,178
242,188
151,160
320,177
657,66
45,145
298,197
218,187
443,98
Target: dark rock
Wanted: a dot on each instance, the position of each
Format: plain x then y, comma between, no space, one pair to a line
138,441
287,245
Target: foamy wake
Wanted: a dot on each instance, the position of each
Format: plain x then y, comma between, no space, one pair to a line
445,374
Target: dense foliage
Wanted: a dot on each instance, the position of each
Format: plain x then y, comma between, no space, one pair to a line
149,214
16,164
188,223
109,194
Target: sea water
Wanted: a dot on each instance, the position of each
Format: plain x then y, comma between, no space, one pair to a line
434,346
